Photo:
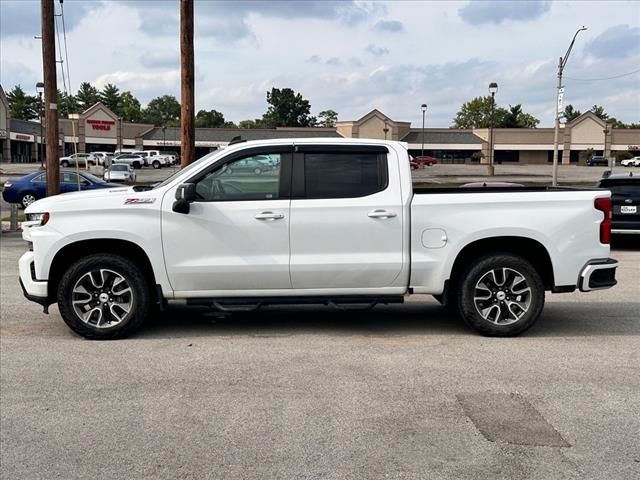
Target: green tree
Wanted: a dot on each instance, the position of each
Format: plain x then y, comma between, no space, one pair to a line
516,118
67,104
21,105
163,111
110,96
87,96
257,123
287,109
327,118
599,111
209,119
571,113
476,113
130,109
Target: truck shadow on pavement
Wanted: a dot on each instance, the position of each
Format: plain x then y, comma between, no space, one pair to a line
558,320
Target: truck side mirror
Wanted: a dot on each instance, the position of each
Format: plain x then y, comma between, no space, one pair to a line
185,195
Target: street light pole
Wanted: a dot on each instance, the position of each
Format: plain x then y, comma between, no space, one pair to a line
423,107
40,89
493,88
562,62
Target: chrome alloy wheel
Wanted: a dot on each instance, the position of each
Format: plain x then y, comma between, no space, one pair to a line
502,296
102,298
28,199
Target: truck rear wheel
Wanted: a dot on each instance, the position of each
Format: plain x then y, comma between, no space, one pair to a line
103,297
500,295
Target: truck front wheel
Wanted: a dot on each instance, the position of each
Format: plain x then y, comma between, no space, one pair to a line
500,295
103,297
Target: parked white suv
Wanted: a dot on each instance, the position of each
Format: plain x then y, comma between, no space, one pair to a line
80,159
334,222
103,158
631,162
132,159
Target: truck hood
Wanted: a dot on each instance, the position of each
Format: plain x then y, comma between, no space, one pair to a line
107,197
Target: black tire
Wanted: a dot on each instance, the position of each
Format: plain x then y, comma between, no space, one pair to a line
136,165
64,164
140,297
257,171
26,199
156,164
511,318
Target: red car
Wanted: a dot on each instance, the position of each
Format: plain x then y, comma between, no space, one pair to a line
425,161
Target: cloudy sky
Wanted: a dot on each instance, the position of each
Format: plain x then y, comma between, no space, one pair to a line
349,56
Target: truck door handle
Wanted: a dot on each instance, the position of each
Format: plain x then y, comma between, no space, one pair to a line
381,214
269,216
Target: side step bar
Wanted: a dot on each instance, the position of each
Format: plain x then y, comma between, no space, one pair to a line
249,304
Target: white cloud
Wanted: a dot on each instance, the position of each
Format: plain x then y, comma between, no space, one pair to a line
319,49
139,81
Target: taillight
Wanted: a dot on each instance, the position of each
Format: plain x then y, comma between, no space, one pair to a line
605,206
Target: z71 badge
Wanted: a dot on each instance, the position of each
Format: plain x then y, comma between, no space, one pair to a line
138,201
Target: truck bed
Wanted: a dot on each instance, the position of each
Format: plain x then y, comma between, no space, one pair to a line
435,189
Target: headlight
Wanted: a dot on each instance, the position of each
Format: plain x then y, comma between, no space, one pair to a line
7,184
43,218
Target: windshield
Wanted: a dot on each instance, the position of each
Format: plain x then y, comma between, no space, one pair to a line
193,166
120,167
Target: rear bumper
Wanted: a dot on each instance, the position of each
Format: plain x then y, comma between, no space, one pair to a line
598,275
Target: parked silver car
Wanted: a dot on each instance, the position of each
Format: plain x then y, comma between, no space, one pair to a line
120,172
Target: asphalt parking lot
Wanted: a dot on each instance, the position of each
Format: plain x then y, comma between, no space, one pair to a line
402,392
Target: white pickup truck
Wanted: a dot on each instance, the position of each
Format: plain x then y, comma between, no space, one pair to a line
327,221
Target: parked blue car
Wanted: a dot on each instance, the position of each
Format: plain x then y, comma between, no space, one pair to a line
26,190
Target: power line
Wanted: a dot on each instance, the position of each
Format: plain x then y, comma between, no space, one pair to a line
66,49
603,78
60,61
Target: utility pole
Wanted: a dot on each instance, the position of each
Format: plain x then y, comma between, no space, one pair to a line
50,96
187,115
556,108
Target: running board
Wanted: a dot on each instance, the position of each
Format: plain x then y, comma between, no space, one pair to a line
250,304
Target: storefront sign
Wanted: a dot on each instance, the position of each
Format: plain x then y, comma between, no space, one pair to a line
3,134
101,124
21,137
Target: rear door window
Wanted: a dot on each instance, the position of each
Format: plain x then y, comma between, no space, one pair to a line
344,175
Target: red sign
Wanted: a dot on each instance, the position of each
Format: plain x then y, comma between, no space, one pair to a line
101,124
23,137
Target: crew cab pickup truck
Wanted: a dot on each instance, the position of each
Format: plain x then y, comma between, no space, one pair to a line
332,222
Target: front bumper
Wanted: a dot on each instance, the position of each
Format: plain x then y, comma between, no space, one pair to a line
598,275
35,290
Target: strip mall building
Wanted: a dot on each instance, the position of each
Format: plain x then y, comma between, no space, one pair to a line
99,129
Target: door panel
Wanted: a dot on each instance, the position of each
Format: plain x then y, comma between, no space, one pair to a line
346,242
236,234
223,246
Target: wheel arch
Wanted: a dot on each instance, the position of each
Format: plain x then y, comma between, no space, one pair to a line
76,250
527,248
